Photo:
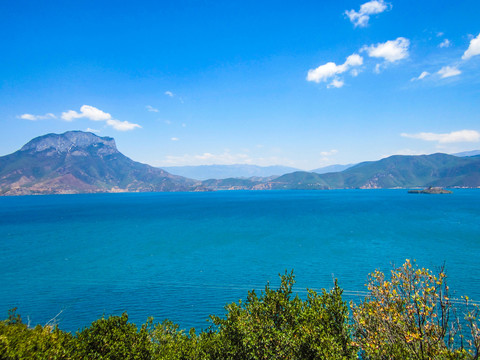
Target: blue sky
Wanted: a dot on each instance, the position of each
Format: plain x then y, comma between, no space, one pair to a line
304,84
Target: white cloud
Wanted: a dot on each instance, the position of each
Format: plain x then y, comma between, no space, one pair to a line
453,137
423,75
336,83
445,43
323,72
27,117
36,117
448,71
405,152
390,51
329,153
151,108
225,158
94,114
361,17
353,60
70,115
86,111
174,139
92,130
122,125
169,93
329,70
473,48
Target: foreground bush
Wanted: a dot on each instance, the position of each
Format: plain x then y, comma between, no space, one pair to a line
409,316
17,341
113,338
276,325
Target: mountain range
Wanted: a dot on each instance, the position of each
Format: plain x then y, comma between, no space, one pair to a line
205,172
208,172
399,171
82,162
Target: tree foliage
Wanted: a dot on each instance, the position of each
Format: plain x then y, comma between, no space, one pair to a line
411,316
278,325
18,341
113,338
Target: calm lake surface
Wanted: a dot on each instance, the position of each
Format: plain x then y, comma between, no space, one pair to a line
184,256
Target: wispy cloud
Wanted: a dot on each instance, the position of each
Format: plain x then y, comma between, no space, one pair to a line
329,153
151,108
122,125
225,158
445,44
92,130
473,48
391,51
404,152
452,137
448,71
36,117
169,93
423,75
360,18
94,114
174,139
330,70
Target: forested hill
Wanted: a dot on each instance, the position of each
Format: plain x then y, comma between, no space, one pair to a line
397,171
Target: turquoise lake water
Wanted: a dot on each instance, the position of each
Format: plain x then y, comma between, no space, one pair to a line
183,256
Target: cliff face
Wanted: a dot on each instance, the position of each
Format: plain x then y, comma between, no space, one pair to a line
80,162
70,142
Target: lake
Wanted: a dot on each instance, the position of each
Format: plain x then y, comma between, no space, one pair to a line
184,256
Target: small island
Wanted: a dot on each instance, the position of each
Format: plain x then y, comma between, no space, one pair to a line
431,190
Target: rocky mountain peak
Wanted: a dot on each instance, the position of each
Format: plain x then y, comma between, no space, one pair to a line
71,141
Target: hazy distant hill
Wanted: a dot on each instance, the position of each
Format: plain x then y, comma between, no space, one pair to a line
80,162
395,171
205,172
332,168
468,153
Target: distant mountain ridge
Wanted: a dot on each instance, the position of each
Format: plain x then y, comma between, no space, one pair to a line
80,162
63,143
207,172
468,153
332,168
399,171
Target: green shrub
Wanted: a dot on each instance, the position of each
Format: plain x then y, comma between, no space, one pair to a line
277,325
17,341
113,338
